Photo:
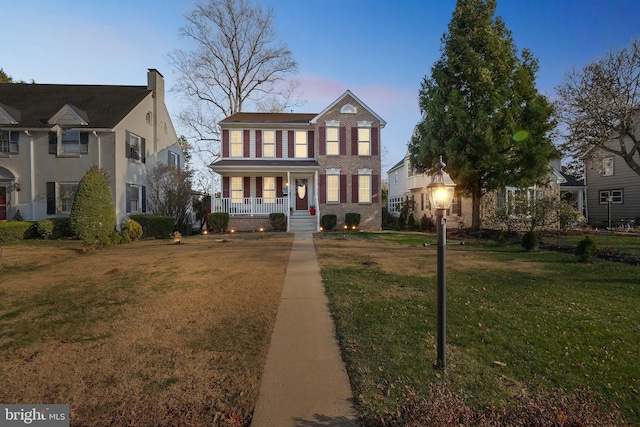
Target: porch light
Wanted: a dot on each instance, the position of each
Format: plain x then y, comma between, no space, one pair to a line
205,232
233,230
346,227
261,229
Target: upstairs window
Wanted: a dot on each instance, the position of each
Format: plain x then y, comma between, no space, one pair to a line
333,144
8,142
364,141
607,166
300,144
268,143
134,146
74,142
236,143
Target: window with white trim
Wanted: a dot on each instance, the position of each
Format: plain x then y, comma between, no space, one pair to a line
8,142
269,143
134,146
235,137
66,192
237,193
333,144
174,160
300,149
617,196
269,189
364,141
333,188
607,166
364,188
134,198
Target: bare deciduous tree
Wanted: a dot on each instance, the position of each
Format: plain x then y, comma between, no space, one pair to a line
237,60
170,192
600,105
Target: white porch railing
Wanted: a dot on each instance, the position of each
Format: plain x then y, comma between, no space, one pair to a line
251,206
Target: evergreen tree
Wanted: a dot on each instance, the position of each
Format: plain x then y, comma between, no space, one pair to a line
481,109
93,216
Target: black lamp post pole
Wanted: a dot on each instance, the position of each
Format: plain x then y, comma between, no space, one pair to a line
441,277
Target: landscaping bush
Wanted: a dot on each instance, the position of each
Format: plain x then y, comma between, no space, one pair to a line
61,228
45,228
500,239
13,231
586,249
218,222
411,223
18,216
328,222
156,226
132,229
352,219
530,241
278,221
426,224
93,216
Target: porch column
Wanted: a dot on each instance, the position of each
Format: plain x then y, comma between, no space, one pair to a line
316,199
288,201
581,201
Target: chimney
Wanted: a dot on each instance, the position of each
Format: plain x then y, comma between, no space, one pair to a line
155,82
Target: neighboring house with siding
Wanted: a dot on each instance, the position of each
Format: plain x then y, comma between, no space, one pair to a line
51,134
302,165
612,188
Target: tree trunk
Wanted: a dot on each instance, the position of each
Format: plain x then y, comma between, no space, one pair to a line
475,215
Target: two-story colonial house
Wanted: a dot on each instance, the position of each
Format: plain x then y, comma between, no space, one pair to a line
51,134
302,165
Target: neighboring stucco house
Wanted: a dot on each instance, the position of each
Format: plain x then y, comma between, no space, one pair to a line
612,188
302,165
407,186
51,134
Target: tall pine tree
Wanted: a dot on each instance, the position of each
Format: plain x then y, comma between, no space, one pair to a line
481,109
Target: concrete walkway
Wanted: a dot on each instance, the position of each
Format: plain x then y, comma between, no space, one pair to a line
304,382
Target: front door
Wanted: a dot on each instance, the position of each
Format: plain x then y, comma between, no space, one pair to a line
302,195
3,203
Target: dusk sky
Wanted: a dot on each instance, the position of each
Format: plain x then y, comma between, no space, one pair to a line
380,50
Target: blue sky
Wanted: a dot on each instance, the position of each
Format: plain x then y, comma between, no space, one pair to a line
380,50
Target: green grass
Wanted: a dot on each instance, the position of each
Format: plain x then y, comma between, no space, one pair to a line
549,320
623,243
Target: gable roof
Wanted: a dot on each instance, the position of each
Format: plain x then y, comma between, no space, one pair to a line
344,95
102,106
275,118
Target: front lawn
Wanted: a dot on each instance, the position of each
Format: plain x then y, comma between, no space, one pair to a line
518,323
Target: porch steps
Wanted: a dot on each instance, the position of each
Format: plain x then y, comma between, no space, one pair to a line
303,223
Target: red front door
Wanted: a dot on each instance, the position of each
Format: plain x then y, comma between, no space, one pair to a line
3,203
302,195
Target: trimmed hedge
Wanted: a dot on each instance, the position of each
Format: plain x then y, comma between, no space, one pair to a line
218,222
352,219
61,228
328,222
13,231
156,226
278,221
132,229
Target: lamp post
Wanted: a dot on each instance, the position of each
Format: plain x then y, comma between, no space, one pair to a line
441,189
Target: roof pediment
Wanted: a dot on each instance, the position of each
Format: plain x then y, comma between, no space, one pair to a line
9,115
350,109
69,115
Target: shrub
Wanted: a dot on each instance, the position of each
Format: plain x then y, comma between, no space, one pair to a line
61,228
156,226
126,237
93,216
132,229
18,216
411,222
352,219
278,221
13,231
500,239
45,228
586,249
426,223
328,221
115,238
402,221
530,241
218,221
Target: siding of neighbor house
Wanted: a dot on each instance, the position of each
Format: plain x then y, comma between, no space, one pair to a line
104,115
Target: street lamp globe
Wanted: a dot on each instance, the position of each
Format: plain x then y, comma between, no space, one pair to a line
441,188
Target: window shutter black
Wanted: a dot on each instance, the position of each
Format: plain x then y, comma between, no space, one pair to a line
51,198
144,199
128,196
127,146
84,143
53,143
13,142
143,150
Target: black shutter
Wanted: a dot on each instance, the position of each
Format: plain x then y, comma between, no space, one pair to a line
144,199
53,143
51,198
13,142
143,150
127,146
128,196
84,143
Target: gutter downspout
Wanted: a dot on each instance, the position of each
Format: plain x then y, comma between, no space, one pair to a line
32,167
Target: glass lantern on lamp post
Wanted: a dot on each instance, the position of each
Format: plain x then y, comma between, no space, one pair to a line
441,193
